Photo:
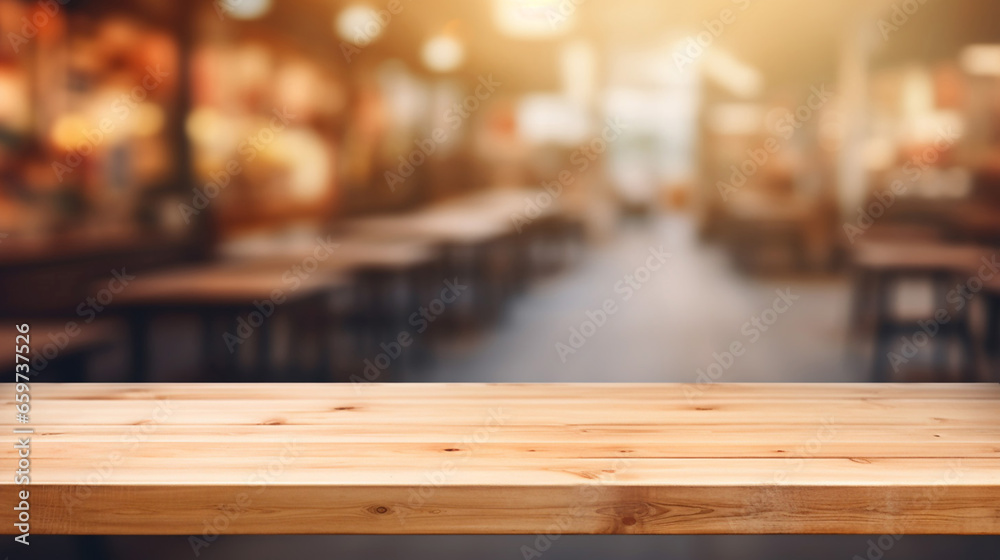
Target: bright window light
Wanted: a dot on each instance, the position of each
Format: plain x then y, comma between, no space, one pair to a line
981,60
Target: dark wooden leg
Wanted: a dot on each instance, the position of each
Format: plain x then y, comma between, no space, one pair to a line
884,330
991,342
74,367
263,368
231,369
208,362
93,547
139,329
406,284
312,322
960,330
947,332
860,303
970,354
324,330
303,330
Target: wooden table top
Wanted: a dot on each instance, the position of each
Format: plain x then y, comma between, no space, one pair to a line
509,458
349,254
227,283
246,274
921,256
471,219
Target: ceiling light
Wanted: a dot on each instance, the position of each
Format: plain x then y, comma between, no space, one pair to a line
534,19
443,53
246,9
358,24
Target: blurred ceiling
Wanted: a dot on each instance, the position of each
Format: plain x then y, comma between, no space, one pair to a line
789,41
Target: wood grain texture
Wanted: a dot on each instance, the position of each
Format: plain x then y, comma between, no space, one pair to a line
510,458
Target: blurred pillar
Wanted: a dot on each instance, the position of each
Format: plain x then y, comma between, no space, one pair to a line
852,88
183,25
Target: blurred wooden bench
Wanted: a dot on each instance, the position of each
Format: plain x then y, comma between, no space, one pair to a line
205,459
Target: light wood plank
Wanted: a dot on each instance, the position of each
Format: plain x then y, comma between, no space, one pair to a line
519,458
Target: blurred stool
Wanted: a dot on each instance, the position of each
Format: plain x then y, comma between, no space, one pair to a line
881,266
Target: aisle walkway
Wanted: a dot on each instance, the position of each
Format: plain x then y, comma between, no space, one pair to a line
695,306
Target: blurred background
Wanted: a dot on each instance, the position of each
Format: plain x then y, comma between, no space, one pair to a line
503,191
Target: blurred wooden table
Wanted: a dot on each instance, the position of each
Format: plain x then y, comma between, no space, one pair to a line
799,226
468,220
392,279
880,265
225,291
480,237
205,459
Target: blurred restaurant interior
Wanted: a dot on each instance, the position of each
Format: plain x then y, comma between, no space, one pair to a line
504,191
